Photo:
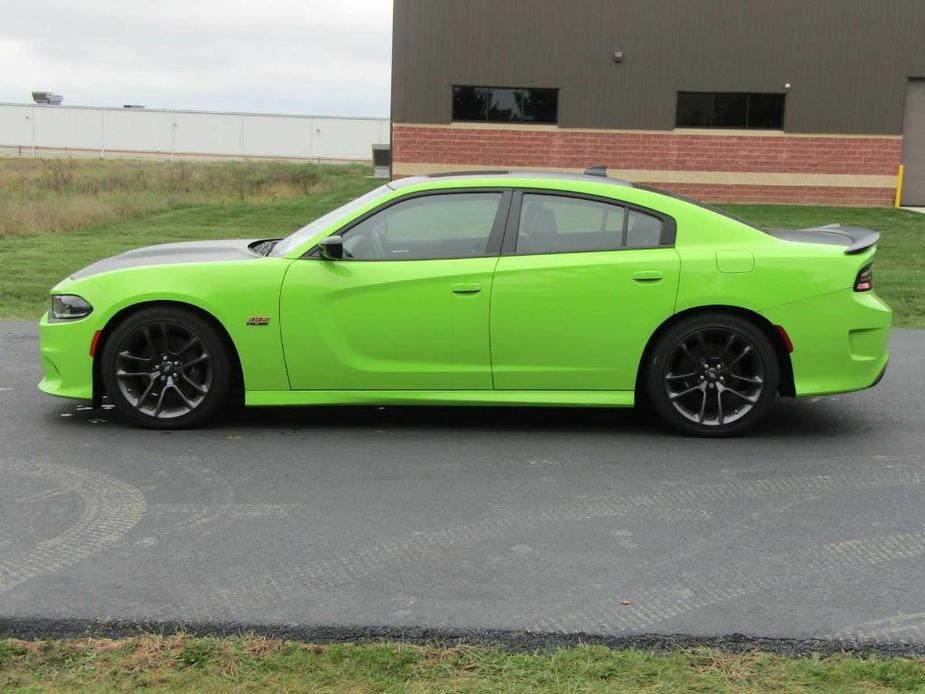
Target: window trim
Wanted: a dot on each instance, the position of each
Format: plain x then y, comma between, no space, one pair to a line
492,245
547,124
714,94
509,244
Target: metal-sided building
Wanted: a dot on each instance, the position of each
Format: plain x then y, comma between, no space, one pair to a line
735,100
42,130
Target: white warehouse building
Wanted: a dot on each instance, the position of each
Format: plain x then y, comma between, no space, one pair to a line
39,130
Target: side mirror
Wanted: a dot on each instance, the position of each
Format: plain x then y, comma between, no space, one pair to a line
332,248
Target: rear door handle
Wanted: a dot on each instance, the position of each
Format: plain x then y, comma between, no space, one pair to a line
467,288
648,276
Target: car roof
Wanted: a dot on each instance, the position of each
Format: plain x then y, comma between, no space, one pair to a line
599,176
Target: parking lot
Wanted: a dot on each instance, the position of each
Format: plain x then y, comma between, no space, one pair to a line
468,521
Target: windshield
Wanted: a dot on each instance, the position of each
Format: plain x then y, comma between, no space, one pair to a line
297,238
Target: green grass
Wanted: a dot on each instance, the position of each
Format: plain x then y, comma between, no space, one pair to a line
40,260
182,664
56,217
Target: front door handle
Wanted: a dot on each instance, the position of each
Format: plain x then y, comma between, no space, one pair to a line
467,288
648,276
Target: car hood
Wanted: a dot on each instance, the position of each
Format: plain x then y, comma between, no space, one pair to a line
171,254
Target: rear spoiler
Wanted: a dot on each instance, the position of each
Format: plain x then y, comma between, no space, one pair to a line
855,239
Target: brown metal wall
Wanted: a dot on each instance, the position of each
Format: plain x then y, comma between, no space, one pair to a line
847,60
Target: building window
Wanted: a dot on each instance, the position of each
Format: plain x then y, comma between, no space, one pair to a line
505,105
730,110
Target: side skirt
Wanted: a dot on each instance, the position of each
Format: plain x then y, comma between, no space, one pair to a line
548,398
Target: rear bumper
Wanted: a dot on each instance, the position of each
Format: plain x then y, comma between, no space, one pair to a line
840,341
879,378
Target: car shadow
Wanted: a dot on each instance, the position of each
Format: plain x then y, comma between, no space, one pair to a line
435,418
787,419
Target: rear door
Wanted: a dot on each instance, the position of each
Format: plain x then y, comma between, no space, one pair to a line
580,287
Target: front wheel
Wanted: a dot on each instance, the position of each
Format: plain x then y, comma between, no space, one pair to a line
166,368
713,375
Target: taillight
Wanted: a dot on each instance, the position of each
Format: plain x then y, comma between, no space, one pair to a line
865,280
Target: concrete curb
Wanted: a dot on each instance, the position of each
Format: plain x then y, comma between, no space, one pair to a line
515,640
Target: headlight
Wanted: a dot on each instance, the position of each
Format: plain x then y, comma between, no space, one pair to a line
69,307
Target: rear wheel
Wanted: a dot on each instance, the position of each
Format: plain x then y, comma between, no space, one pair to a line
166,368
713,375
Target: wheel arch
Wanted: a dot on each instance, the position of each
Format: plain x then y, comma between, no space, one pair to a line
786,386
122,314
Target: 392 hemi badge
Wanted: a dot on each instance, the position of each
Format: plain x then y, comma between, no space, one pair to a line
258,320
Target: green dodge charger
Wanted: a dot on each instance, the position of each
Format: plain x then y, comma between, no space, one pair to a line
489,288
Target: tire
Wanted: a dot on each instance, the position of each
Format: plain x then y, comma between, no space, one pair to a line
165,367
712,375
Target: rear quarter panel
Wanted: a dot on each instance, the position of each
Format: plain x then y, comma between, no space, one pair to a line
839,335
724,262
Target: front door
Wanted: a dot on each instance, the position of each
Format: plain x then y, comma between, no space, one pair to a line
408,306
579,290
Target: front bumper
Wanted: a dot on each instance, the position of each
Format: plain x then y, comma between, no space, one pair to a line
840,341
66,360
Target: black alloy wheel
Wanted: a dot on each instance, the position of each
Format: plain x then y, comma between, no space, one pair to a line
713,375
166,368
163,370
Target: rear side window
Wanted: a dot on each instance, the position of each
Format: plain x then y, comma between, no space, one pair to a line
453,225
553,224
561,224
643,230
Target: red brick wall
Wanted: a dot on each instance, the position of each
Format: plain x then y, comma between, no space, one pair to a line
663,152
800,195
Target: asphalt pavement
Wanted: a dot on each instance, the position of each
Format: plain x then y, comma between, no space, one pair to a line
511,525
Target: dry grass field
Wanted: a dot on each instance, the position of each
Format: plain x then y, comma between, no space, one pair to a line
60,195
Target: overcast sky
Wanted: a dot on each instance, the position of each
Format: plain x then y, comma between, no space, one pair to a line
327,57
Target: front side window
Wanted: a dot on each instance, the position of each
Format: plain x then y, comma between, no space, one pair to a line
505,104
730,110
556,224
452,225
